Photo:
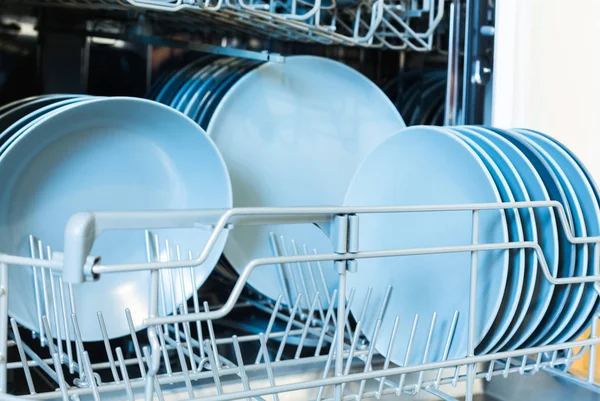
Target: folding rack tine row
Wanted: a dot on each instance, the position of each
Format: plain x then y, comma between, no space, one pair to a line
308,347
390,24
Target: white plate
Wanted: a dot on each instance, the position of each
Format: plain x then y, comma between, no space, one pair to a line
426,166
293,134
107,154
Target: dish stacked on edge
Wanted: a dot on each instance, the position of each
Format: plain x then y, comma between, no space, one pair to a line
516,306
63,154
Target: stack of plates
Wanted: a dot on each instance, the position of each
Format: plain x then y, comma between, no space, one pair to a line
197,89
516,306
65,154
419,96
291,134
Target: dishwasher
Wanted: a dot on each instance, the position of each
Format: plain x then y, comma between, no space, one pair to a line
306,298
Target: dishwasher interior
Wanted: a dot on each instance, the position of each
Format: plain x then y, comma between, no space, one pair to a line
432,58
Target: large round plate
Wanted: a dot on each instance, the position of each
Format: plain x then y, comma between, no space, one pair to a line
540,227
76,159
204,115
559,190
581,298
592,182
520,226
293,134
426,166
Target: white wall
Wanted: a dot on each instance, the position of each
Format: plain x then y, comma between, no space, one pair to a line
547,72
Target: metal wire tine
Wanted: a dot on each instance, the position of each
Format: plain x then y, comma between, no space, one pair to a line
289,269
161,285
456,376
36,288
184,369
22,356
370,354
366,304
59,337
313,281
240,363
307,325
302,277
263,345
490,372
413,331
325,323
507,367
63,308
523,364
182,282
538,362
426,352
323,280
351,353
288,327
165,352
60,378
154,378
196,306
390,349
107,347
172,288
90,374
270,325
347,312
73,321
449,338
213,341
124,373
214,369
554,356
78,345
136,344
281,271
188,342
327,367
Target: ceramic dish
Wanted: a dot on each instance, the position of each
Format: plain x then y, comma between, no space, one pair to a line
76,159
293,134
426,166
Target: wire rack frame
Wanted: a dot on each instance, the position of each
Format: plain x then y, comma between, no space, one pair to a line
345,364
392,24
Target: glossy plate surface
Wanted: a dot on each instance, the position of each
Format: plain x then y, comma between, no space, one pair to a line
426,166
539,227
520,281
571,258
146,156
293,134
582,298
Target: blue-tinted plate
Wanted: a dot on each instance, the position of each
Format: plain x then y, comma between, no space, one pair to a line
522,272
78,159
293,134
559,190
582,297
426,166
541,229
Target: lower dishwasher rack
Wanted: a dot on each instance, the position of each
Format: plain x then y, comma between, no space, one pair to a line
316,354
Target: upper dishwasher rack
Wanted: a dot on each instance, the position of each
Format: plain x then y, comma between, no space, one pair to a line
389,24
181,353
